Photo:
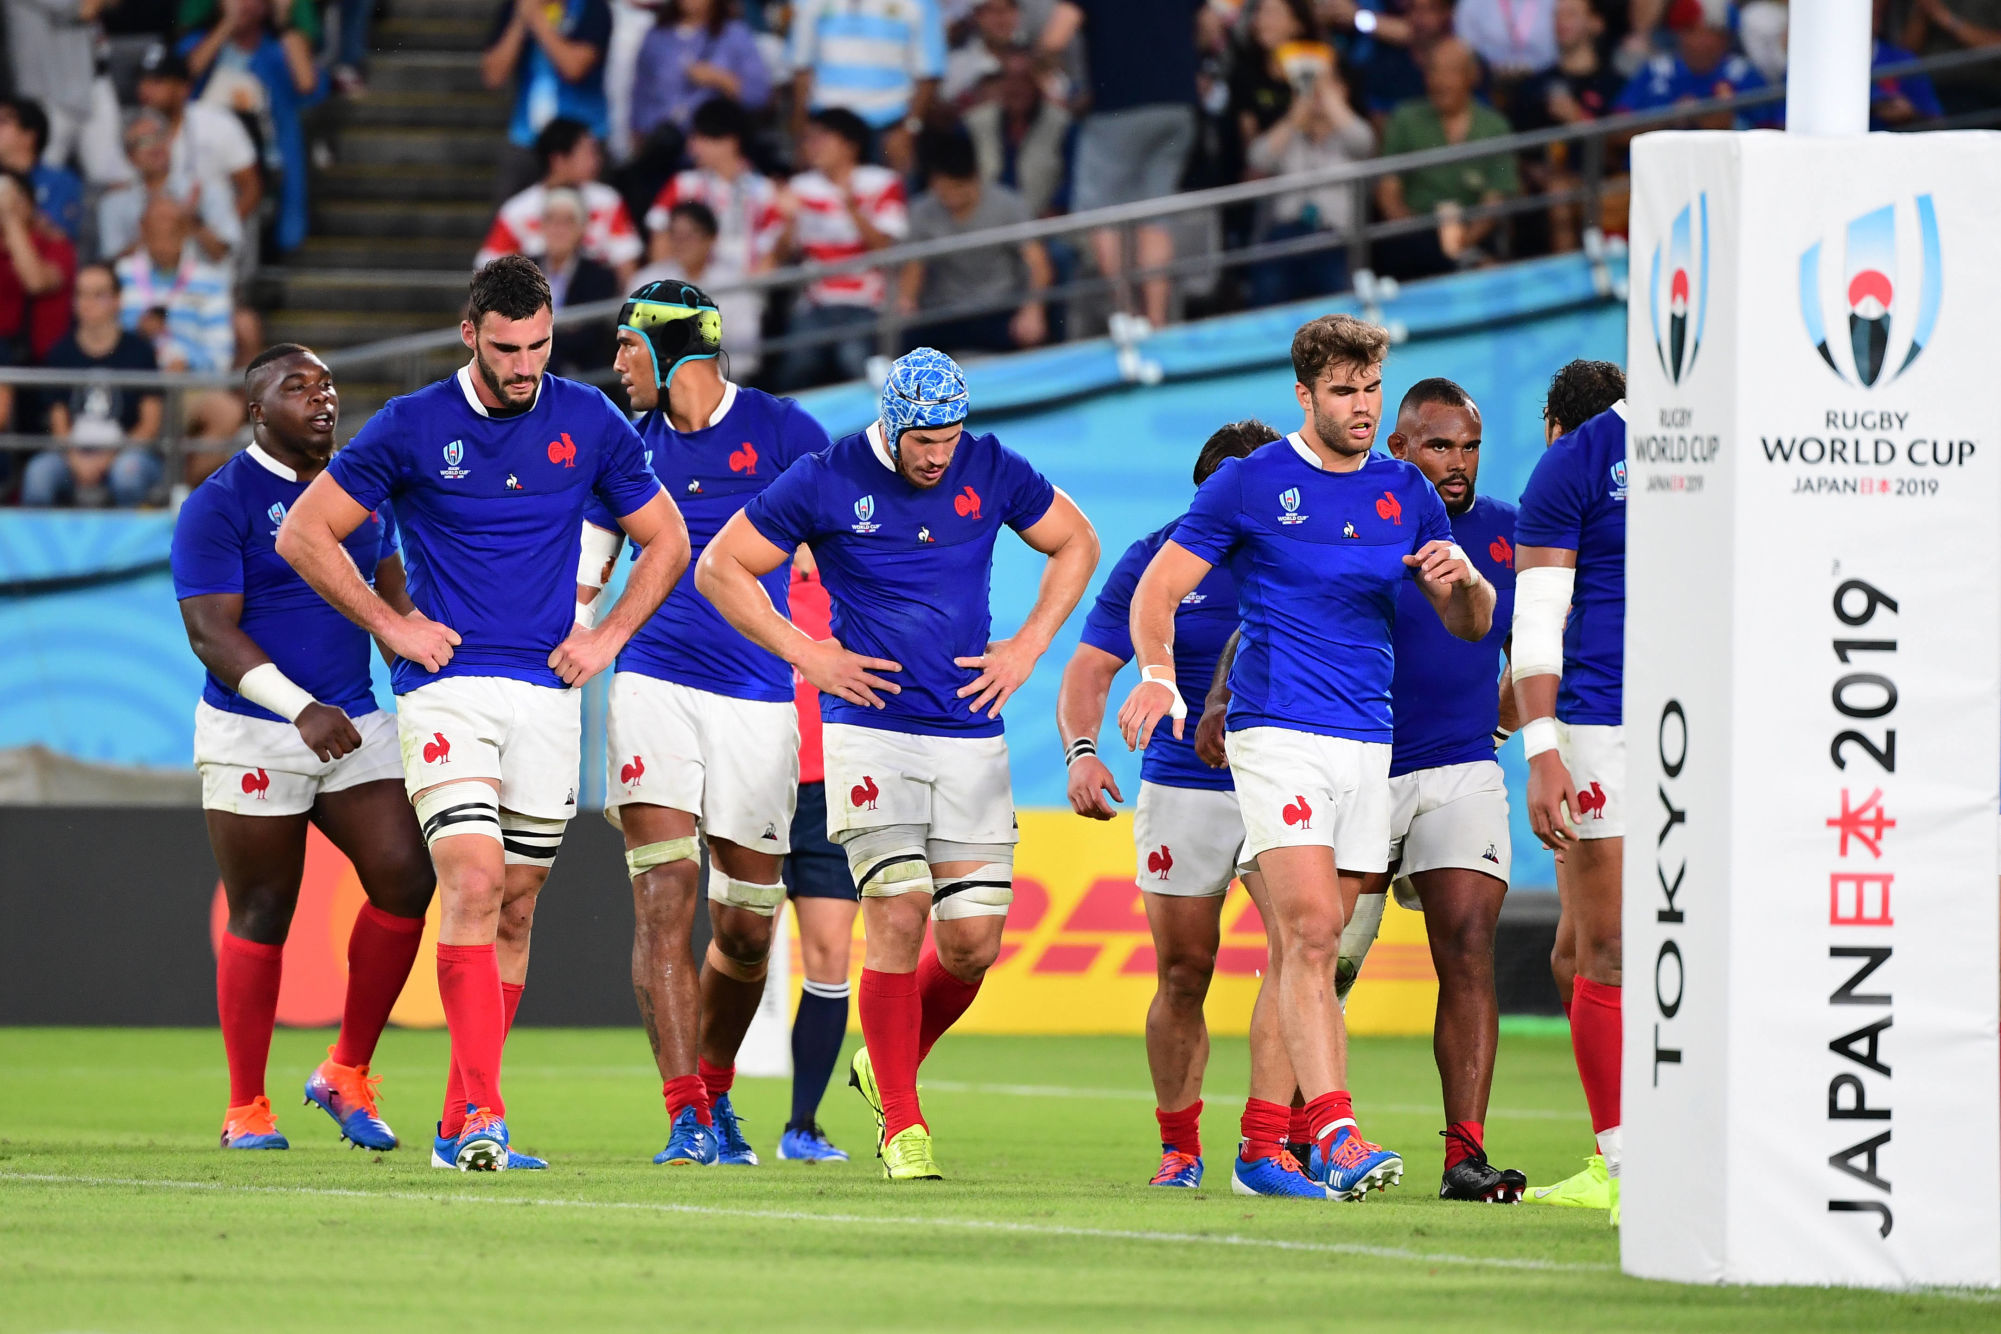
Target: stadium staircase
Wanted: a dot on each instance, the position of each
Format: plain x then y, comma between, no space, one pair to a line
398,216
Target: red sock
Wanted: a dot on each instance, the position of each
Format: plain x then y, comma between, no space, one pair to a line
944,998
246,999
475,1011
1325,1115
380,950
1181,1131
892,1016
716,1079
1457,1149
1263,1129
1596,1037
1296,1129
454,1119
685,1091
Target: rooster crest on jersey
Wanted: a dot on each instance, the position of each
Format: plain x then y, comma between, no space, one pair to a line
925,390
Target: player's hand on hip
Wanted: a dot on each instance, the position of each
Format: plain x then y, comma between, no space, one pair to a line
1443,565
1005,665
327,732
419,639
1149,702
1209,737
1090,780
835,671
585,653
1552,802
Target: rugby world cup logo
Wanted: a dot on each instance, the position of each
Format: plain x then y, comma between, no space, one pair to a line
455,453
864,512
276,513
1686,294
1288,501
1889,277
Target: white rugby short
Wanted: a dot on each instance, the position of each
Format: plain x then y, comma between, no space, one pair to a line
1596,759
731,763
956,788
1301,789
1188,840
1453,817
259,766
527,737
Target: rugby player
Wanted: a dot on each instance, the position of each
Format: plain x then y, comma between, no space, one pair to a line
902,519
1449,850
1321,537
702,736
1568,663
489,471
1187,831
287,733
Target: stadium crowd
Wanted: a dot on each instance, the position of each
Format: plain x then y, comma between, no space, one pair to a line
164,150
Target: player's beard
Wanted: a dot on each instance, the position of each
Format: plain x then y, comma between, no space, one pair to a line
493,385
1334,434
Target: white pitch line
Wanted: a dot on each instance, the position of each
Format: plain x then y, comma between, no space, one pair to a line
801,1216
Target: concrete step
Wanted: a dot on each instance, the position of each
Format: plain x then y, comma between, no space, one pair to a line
324,329
436,292
351,252
480,11
436,111
394,222
403,35
471,185
417,147
424,72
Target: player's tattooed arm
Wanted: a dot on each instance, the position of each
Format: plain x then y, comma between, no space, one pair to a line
215,633
1463,599
310,541
1065,536
1171,576
1080,712
1216,709
662,537
728,574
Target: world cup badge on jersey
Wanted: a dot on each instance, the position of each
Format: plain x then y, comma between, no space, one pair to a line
1288,500
864,511
455,454
276,514
1619,480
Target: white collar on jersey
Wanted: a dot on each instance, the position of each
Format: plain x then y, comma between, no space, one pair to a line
269,464
1305,451
881,449
1620,408
464,378
723,408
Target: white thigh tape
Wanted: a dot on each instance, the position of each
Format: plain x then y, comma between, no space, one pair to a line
529,840
763,900
451,809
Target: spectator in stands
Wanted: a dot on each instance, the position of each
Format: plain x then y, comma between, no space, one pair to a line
1447,115
838,209
1761,31
24,138
245,50
1515,39
570,159
556,60
1897,102
148,143
1935,27
742,201
181,301
1135,142
1390,47
1020,134
973,67
108,429
1010,278
296,23
54,49
351,54
688,249
1285,53
1702,67
37,268
575,280
1582,87
695,53
1322,128
208,143
880,59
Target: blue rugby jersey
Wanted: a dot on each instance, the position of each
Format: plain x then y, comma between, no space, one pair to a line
1576,500
1203,624
711,474
490,510
1446,692
225,541
909,570
1318,559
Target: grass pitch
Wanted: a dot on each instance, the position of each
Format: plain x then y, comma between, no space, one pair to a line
117,1211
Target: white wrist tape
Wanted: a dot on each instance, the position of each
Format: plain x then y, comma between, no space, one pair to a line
598,549
1180,709
265,685
587,614
1542,599
1538,735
